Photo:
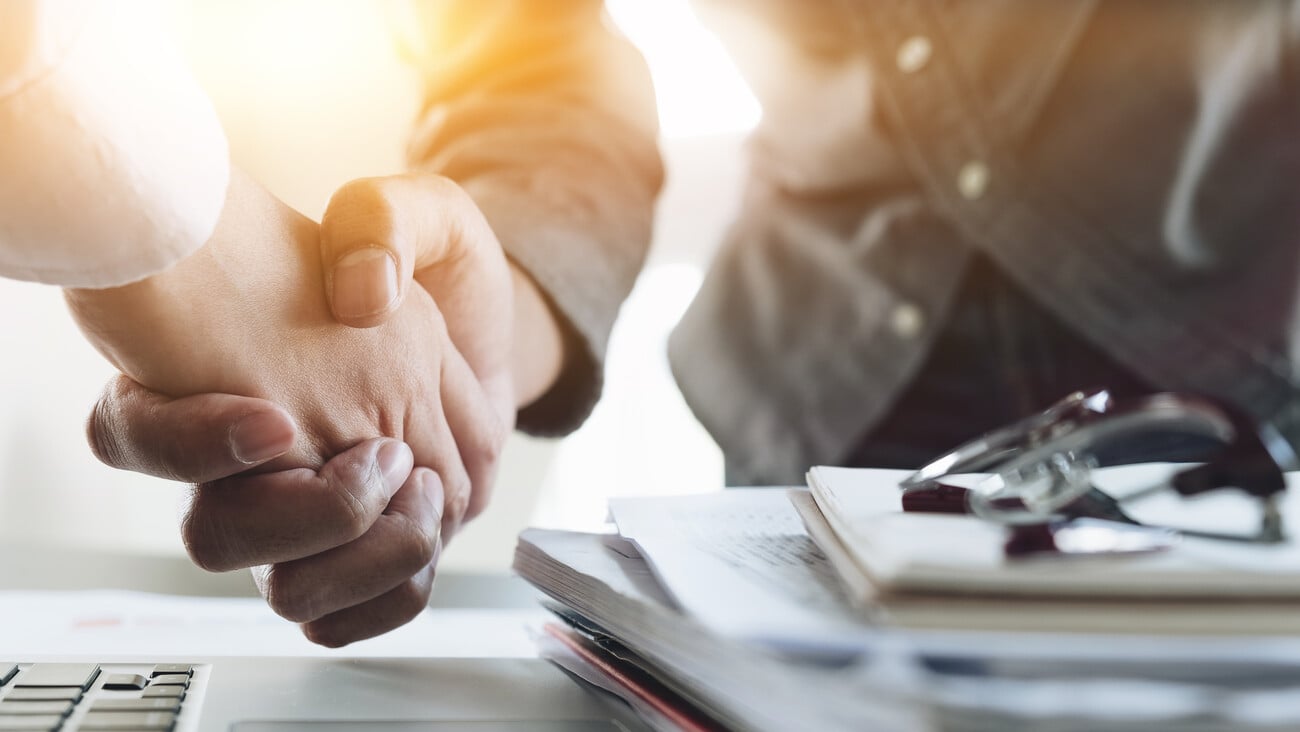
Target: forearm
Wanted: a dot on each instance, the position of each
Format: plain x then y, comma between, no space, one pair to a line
149,328
545,116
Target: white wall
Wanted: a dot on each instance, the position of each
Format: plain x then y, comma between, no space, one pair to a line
312,93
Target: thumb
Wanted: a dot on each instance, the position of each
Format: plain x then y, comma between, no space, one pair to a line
380,234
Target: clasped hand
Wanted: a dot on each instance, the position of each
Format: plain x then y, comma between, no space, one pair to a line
299,434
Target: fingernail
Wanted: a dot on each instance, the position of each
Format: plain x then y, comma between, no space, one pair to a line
365,283
261,436
395,462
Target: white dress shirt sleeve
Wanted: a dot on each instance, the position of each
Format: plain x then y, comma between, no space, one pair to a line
113,165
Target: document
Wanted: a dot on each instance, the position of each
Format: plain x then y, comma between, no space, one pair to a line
957,554
741,563
742,686
975,682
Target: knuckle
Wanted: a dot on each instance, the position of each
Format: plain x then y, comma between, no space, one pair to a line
197,537
474,507
469,224
362,198
352,506
409,599
323,634
102,431
210,542
457,492
420,544
286,598
491,441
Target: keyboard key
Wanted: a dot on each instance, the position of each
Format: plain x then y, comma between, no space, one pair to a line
129,720
171,680
44,723
136,705
10,709
7,671
165,692
125,682
58,674
172,668
54,693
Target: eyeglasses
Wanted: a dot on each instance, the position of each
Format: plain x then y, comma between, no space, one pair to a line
1039,480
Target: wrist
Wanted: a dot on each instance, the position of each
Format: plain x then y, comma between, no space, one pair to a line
115,319
177,331
538,344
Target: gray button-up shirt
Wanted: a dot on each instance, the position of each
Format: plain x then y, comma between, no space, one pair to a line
1131,166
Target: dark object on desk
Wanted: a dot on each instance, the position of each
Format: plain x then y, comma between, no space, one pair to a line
1041,466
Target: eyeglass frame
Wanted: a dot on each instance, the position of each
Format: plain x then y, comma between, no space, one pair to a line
1252,459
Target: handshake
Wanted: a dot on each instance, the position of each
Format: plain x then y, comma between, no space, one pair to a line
337,394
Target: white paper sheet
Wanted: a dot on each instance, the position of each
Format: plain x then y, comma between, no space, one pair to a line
115,623
741,563
1017,682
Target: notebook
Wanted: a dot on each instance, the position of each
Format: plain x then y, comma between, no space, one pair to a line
963,555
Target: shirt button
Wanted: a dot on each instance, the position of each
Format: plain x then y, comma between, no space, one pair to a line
973,180
913,54
907,320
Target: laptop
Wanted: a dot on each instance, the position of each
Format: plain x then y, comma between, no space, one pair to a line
277,694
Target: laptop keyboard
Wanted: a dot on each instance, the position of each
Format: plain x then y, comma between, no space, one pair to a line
45,697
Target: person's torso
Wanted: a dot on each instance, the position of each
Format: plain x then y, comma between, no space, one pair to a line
1130,165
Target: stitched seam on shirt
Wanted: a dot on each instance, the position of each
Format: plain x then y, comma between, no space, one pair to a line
1051,75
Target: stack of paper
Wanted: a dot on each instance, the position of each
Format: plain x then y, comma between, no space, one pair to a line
608,593
720,612
950,571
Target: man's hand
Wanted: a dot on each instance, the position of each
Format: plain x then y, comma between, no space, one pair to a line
348,545
380,235
238,519
235,519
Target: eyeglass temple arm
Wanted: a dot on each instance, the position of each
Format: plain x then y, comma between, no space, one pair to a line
1257,477
1256,467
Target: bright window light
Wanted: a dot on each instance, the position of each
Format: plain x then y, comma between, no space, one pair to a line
700,91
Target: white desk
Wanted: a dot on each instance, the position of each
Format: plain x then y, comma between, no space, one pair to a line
112,622
460,666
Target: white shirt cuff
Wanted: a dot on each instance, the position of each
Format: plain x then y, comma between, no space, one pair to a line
113,165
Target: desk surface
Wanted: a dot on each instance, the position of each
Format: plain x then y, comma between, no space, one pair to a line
119,623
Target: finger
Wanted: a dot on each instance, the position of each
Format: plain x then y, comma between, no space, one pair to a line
393,609
417,225
249,520
194,439
480,434
403,541
436,447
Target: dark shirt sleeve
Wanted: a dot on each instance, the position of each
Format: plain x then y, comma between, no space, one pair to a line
546,116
